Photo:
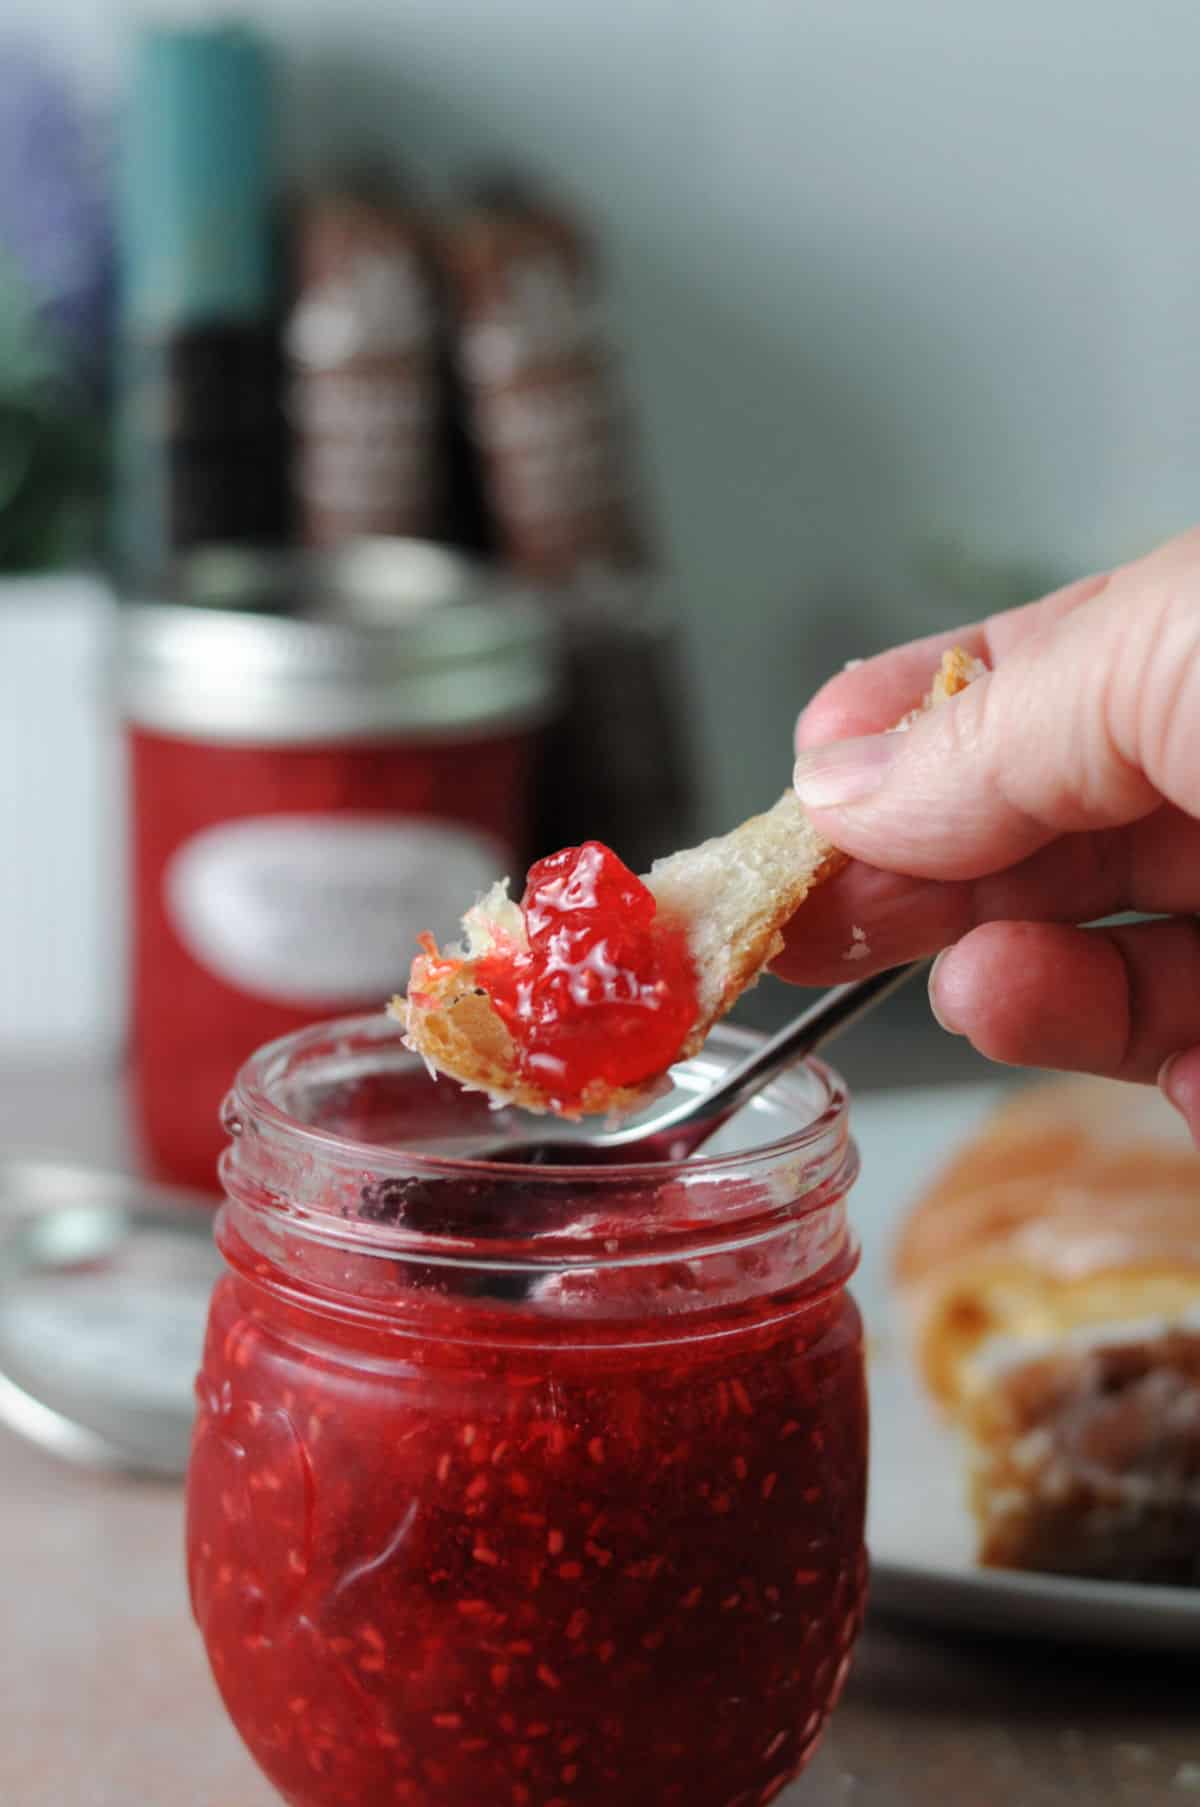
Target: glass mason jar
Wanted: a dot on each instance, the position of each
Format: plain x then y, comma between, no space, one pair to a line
539,1486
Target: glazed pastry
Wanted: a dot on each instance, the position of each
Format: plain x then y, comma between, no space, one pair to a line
1051,1276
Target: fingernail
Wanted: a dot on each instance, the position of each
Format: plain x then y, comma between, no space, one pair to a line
943,1013
1164,1078
844,771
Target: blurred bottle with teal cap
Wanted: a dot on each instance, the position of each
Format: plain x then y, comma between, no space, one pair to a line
200,455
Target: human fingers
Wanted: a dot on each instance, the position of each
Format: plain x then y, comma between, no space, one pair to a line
1087,724
875,693
1114,1001
1180,1083
866,919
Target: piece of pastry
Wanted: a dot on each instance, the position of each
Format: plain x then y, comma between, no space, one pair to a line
1051,1276
580,997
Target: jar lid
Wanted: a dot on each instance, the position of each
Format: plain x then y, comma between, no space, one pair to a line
104,1288
379,637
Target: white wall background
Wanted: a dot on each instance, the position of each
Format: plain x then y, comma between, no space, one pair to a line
883,272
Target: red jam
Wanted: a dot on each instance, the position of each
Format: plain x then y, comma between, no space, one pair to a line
474,1538
605,994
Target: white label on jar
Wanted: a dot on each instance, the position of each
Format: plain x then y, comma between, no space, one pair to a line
320,909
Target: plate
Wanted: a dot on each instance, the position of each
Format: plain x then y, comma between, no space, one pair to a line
920,1531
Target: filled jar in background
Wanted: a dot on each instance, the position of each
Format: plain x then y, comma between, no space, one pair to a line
540,1486
327,754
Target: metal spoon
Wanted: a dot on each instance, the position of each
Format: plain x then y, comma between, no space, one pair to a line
686,1122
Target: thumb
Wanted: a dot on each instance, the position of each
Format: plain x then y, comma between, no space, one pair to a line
1088,723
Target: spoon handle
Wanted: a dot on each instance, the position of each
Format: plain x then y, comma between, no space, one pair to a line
829,1015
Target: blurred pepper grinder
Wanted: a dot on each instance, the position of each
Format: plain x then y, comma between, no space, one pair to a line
545,411
200,454
363,347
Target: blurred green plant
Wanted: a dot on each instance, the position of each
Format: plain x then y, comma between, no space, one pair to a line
52,444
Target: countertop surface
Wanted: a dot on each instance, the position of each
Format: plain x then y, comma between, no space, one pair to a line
105,1699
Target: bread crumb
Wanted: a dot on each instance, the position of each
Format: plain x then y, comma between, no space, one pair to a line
859,948
853,664
1188,1776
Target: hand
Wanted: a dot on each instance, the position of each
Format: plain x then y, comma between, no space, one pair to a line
1061,788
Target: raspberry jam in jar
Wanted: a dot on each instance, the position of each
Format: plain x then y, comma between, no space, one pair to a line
326,754
525,1487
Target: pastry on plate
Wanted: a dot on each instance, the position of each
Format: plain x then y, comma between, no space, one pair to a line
1051,1278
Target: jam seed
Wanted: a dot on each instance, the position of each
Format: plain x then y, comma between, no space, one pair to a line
768,1486
481,1553
478,1487
546,1675
555,1542
448,1722
500,1674
598,1555
570,1571
605,1651
372,1665
739,1467
577,1623
298,1706
692,1598
371,1636
518,1484
443,1468
568,1773
596,1450
788,1430
777,1740
469,1434
728,1604
741,1398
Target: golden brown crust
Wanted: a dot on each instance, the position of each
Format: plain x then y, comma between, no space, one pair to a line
1077,1203
1052,1278
1086,1459
732,895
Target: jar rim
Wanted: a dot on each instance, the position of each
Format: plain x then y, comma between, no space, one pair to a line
251,1096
